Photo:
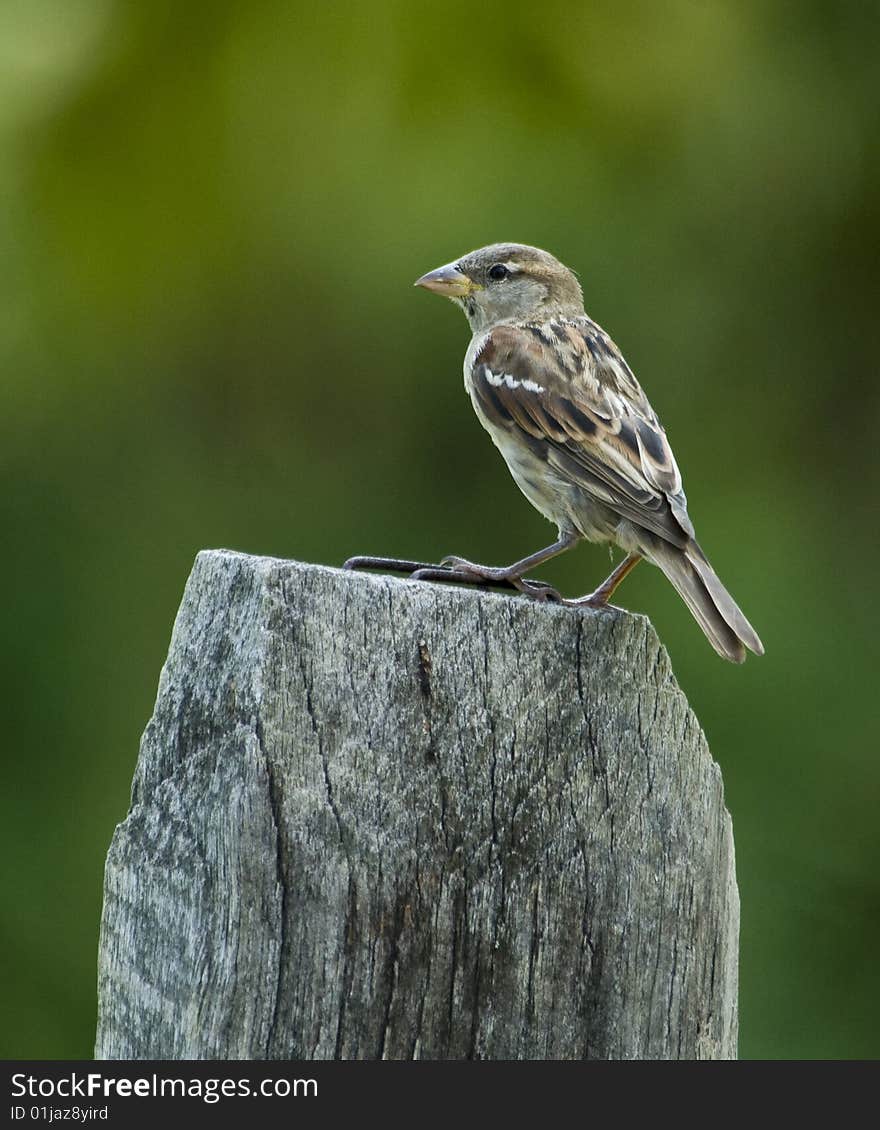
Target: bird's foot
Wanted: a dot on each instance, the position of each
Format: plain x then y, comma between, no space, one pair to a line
602,595
504,577
537,590
540,591
595,600
482,574
456,570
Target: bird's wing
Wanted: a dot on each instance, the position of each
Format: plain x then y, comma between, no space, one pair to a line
565,388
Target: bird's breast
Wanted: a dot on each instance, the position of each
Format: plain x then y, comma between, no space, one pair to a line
477,344
545,490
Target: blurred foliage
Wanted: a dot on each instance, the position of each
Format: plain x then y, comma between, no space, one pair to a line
212,216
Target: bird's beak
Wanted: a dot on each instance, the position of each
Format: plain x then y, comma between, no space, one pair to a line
448,281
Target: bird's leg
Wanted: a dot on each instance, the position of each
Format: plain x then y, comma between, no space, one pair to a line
514,572
600,597
468,572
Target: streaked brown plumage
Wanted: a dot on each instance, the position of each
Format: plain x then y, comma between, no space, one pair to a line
577,432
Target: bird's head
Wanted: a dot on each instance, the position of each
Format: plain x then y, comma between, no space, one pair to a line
507,282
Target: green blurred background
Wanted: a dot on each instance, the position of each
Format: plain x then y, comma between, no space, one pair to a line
211,219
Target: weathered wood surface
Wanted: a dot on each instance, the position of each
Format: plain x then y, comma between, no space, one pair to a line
380,818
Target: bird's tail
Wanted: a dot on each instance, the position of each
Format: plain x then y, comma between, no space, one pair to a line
711,605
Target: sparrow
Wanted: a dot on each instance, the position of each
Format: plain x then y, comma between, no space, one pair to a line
578,435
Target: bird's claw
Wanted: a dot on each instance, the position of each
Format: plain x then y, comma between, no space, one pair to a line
443,573
387,564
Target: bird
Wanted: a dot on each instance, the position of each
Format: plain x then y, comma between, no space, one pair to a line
578,435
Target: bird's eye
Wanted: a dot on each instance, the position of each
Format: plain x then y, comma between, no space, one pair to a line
498,272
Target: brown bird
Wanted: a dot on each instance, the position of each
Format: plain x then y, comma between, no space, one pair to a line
577,433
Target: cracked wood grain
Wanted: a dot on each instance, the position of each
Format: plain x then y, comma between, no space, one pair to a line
373,818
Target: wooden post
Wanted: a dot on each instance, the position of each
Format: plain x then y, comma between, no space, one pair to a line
375,818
